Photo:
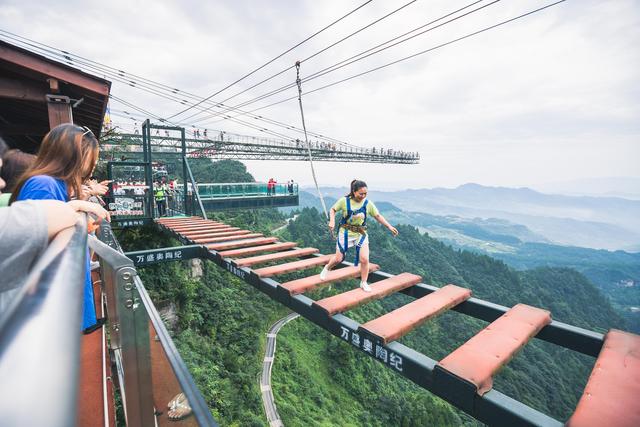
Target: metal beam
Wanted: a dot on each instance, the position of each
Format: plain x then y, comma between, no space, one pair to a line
177,253
20,89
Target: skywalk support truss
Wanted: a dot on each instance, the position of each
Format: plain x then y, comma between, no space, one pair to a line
240,147
491,407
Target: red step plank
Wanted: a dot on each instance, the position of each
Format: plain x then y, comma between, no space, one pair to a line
242,243
186,223
288,267
179,219
355,297
296,253
611,395
258,249
214,233
477,360
227,238
199,227
310,283
396,324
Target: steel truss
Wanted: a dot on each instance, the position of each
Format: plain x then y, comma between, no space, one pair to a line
232,146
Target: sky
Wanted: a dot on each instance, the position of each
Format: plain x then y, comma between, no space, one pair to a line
550,101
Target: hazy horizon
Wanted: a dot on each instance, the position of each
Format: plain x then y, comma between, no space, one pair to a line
601,187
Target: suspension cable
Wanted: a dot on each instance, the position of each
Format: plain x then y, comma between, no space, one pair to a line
272,60
316,53
413,55
150,86
360,56
306,140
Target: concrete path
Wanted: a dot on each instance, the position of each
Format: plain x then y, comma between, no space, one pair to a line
265,379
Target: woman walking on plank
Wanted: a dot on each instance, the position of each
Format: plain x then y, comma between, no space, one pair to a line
352,229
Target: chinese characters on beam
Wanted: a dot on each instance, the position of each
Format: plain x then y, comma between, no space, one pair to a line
160,256
374,349
132,223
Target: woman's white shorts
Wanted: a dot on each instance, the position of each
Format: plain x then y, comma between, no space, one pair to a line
352,241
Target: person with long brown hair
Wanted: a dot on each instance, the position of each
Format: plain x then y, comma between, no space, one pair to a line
66,159
352,230
14,164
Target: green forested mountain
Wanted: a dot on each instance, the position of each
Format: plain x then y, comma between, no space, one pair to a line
615,273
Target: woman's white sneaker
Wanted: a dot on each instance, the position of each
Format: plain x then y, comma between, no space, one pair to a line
365,286
323,273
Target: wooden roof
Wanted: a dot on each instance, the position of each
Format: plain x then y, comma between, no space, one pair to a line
26,78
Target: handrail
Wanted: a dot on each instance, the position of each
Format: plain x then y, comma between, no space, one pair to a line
40,337
130,334
193,183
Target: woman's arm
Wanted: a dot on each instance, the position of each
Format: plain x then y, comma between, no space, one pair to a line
384,222
61,215
332,219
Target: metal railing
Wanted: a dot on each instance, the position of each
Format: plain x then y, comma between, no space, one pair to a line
244,189
40,337
40,334
151,371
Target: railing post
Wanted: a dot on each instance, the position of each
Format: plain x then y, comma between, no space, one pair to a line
133,340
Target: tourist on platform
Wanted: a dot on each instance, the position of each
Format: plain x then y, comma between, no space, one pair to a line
14,164
25,230
66,159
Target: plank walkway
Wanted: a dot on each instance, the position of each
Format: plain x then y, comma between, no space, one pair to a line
610,397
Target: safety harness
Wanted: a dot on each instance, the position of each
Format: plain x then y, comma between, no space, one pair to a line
362,229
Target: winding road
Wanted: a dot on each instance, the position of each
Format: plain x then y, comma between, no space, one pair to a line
265,379
275,230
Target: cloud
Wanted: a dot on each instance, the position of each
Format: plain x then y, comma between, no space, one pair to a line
551,88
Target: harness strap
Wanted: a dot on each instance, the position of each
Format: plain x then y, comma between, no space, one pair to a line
357,228
358,246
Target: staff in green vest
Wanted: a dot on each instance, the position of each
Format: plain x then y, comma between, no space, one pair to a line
160,190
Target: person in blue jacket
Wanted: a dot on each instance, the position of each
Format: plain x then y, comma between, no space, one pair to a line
66,159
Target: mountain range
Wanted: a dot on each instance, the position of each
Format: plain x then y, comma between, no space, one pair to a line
592,222
519,244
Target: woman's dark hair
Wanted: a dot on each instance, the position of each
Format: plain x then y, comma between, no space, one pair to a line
15,163
68,152
355,186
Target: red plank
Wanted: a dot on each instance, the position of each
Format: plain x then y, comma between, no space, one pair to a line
223,232
355,297
399,322
177,219
312,282
246,262
202,233
611,395
199,227
258,249
483,355
288,267
185,221
227,238
242,243
188,225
